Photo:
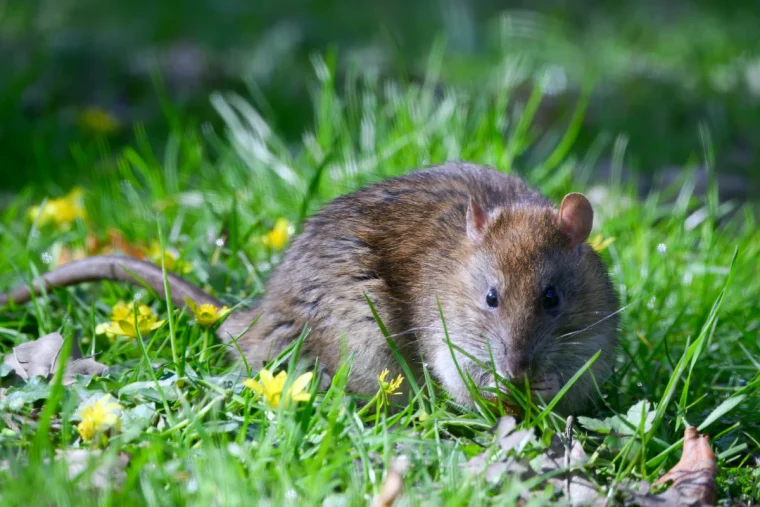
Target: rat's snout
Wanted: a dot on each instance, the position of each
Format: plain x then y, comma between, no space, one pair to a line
517,365
517,346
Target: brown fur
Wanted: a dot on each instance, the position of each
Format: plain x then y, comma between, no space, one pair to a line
404,243
445,234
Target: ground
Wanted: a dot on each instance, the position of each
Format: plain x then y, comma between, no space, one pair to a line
194,432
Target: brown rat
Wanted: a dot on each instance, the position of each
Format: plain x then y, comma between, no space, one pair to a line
513,275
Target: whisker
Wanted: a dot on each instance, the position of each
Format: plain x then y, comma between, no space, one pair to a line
573,333
415,329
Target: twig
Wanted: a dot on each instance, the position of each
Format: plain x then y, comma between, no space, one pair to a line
568,448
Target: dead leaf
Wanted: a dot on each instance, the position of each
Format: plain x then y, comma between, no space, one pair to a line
509,439
108,471
394,483
117,242
496,470
693,476
83,366
580,490
556,457
40,358
37,357
67,255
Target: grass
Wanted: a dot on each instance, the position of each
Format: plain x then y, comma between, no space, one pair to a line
661,69
688,340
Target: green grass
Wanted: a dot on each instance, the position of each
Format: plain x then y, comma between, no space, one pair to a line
689,340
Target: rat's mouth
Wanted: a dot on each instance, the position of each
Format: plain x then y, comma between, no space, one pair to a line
540,389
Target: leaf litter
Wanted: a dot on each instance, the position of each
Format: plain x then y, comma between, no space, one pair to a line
39,358
562,464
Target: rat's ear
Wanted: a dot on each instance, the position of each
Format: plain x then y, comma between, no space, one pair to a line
476,221
576,218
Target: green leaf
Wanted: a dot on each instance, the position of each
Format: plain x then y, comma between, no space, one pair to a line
35,389
634,417
147,390
595,424
721,410
136,419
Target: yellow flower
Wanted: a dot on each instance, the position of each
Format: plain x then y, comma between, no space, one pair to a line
388,388
171,259
120,311
98,120
99,417
599,243
271,387
123,321
277,238
61,211
206,315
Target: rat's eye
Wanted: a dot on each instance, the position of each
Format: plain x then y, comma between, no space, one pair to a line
492,298
551,298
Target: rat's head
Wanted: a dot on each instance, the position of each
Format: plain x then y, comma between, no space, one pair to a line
532,299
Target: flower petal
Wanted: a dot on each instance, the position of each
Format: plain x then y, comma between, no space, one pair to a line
300,396
126,328
278,383
253,385
300,383
265,376
154,325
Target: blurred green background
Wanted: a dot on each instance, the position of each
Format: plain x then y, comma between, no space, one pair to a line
77,77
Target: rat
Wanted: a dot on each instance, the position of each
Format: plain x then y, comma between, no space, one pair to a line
455,250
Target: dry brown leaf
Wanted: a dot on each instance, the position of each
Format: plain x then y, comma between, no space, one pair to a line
693,476
40,358
394,483
116,241
696,470
67,255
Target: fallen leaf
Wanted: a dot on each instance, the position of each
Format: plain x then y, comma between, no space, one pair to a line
555,458
394,483
83,366
117,242
39,358
107,471
693,476
94,246
508,440
494,471
511,440
35,358
580,490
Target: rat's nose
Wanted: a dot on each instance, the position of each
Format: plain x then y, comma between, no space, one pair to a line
517,365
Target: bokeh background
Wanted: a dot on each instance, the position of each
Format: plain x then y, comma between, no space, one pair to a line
671,81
